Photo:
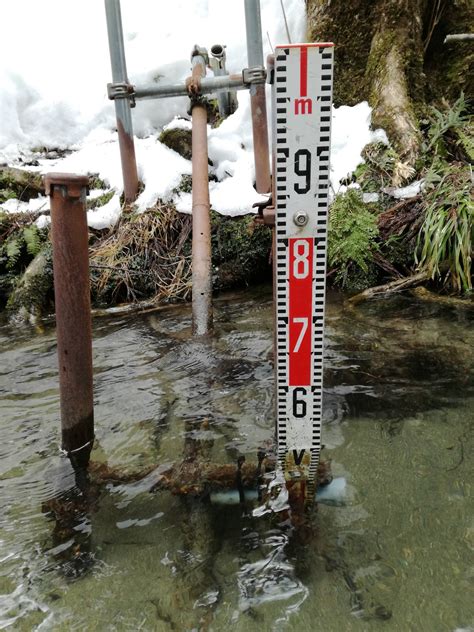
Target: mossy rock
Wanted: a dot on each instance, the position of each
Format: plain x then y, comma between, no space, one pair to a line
240,251
19,184
179,140
32,292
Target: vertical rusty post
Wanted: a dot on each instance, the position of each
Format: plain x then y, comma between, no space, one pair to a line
258,100
201,243
73,319
122,104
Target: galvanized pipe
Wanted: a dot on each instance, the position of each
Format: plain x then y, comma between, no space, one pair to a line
201,242
178,89
122,106
218,66
73,318
257,97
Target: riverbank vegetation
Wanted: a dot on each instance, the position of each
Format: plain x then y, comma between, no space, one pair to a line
405,213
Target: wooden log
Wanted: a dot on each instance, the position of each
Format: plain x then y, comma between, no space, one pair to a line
389,288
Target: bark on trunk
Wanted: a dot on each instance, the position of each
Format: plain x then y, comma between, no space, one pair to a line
382,49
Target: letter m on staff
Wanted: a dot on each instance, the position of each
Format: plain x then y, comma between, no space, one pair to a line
303,106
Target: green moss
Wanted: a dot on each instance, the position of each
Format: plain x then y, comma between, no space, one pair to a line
179,140
97,183
352,38
102,200
7,194
449,68
186,184
32,292
19,184
352,240
240,251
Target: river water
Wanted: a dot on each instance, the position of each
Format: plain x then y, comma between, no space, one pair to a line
393,549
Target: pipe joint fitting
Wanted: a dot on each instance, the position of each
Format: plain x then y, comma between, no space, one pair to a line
121,90
254,75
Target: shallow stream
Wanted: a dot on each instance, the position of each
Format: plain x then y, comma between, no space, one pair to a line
393,551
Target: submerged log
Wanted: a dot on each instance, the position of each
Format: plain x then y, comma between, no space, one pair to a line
190,478
449,301
388,289
196,478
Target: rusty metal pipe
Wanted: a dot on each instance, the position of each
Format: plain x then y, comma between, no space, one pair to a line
201,242
258,102
73,312
122,106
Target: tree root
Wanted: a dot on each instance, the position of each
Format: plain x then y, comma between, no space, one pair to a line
395,220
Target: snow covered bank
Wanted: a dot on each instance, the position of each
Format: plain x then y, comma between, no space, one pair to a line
54,95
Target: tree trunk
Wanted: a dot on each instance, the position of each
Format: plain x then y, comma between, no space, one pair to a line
395,73
382,50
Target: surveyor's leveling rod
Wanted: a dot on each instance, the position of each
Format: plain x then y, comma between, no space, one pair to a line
301,124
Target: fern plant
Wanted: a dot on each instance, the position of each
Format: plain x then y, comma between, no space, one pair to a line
32,238
27,238
352,235
452,121
446,237
12,250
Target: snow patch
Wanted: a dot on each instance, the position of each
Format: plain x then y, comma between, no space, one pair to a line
404,193
59,100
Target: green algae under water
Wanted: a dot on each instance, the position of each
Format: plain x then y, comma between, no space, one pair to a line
396,553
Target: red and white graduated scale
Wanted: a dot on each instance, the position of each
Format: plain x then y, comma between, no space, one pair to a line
302,97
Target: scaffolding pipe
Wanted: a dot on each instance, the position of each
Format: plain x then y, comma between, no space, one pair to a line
218,66
70,240
122,106
209,85
257,97
201,241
